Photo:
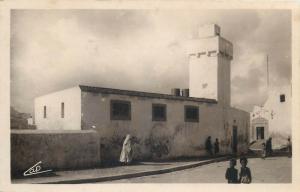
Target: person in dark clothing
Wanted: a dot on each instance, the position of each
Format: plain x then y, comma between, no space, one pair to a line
217,149
245,173
231,172
289,147
269,146
208,146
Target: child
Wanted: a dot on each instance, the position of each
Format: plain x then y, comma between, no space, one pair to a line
231,172
245,173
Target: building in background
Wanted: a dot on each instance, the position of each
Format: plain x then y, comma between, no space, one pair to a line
273,119
164,125
20,120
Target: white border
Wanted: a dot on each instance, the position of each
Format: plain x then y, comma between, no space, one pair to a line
6,6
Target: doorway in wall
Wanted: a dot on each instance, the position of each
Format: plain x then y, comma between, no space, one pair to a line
260,133
234,139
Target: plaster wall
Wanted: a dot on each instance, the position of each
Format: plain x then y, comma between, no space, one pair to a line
203,67
210,58
240,119
224,88
155,139
279,112
72,110
56,149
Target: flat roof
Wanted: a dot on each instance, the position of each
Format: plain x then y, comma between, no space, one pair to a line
48,131
143,94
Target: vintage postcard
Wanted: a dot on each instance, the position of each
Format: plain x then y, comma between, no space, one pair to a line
172,92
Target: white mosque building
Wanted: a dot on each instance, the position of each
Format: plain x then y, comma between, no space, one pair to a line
165,125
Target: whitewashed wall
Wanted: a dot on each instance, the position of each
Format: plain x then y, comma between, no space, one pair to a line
280,121
72,112
168,139
209,73
278,114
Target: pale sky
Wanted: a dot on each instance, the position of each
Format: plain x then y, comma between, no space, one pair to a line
142,50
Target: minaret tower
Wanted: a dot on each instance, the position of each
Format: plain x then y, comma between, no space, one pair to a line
209,65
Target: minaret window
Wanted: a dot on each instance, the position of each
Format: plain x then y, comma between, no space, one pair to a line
45,112
282,98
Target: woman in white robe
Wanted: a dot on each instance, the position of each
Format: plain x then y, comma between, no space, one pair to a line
126,153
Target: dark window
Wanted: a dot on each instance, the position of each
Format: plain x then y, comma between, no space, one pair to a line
282,98
45,112
191,114
120,110
260,133
159,112
62,110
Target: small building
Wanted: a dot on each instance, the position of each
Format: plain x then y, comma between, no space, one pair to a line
163,125
273,119
20,120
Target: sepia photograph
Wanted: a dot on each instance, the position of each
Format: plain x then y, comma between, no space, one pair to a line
109,96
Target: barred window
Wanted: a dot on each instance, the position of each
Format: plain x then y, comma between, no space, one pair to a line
191,113
159,112
120,110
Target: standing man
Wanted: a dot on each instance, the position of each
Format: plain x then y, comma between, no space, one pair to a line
289,147
269,146
208,146
217,149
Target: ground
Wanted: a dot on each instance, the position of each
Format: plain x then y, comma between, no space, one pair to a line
270,170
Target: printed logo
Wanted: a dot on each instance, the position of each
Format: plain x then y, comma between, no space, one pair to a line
35,169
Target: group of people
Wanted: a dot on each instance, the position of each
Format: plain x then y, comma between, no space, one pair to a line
244,176
267,149
231,175
209,147
126,153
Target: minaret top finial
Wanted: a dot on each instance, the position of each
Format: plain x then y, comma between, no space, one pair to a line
209,30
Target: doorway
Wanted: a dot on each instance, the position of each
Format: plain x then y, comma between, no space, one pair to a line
234,139
260,133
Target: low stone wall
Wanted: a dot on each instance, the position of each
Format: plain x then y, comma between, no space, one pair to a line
56,149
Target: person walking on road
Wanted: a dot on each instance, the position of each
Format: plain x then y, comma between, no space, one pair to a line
245,173
264,151
208,146
217,149
232,173
126,153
